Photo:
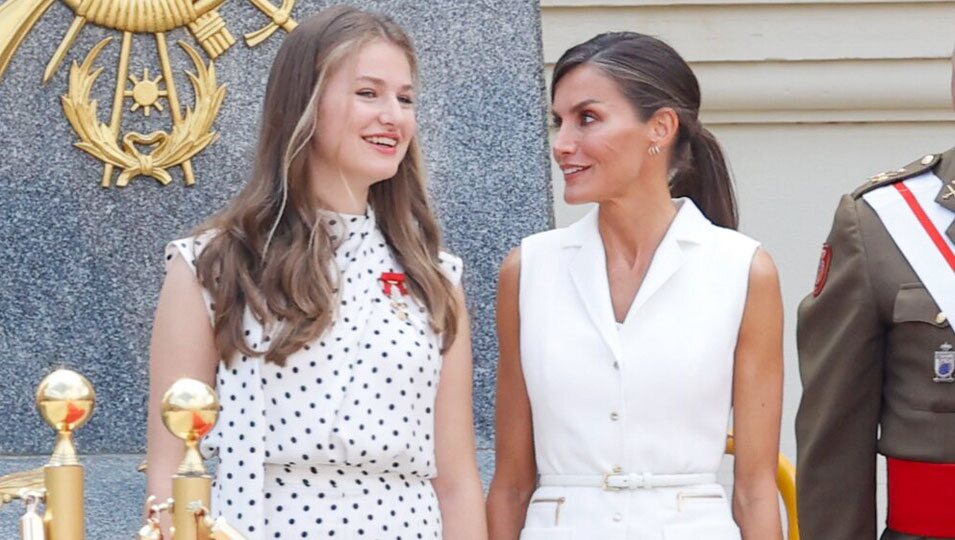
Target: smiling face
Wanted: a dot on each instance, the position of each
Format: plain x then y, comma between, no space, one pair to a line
601,144
366,115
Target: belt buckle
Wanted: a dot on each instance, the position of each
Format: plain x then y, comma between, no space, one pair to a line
606,483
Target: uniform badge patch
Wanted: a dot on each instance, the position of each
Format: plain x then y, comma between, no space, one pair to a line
944,364
822,273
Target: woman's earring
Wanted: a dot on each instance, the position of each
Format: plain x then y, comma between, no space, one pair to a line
654,150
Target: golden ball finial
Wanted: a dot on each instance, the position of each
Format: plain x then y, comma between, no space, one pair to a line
189,410
65,400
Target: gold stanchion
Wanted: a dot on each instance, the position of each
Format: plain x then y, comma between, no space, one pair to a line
65,399
190,409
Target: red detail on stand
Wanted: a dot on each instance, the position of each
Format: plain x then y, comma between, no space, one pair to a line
73,413
200,426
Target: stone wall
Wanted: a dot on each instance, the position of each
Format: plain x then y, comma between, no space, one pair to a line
82,265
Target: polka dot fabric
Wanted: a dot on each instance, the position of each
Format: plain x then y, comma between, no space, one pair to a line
339,442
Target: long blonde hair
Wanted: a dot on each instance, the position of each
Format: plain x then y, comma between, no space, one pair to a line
270,252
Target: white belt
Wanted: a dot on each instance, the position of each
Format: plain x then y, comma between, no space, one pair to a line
616,482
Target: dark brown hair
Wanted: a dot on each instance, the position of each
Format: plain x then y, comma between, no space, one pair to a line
270,253
652,75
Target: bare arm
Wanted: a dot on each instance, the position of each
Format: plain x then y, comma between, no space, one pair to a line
182,346
757,404
458,484
515,475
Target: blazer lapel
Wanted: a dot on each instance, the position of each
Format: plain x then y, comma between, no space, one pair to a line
588,271
588,267
689,228
666,261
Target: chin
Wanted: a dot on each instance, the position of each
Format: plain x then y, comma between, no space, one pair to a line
381,175
577,196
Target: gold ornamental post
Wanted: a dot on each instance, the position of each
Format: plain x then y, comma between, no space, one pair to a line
65,400
189,410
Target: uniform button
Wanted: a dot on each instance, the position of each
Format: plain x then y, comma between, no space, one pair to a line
615,416
617,469
616,364
940,318
927,159
618,517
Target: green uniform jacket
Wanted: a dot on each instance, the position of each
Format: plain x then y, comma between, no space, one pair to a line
867,338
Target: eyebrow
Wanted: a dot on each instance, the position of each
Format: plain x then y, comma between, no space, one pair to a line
381,82
581,105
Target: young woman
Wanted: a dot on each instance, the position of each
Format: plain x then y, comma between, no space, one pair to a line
627,337
333,312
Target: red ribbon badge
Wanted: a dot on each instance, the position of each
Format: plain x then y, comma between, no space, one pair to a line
391,279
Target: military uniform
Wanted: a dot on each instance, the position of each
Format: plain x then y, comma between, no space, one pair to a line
870,337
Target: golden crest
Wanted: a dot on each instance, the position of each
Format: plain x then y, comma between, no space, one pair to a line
192,131
188,137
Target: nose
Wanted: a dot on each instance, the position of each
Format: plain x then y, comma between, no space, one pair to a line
564,143
390,110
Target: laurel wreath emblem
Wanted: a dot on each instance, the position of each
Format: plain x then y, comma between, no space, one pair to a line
186,139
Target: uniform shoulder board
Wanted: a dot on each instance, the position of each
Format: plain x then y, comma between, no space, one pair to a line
915,168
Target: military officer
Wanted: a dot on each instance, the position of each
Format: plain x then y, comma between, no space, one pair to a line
876,358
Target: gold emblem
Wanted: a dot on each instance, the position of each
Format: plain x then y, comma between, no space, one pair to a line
137,154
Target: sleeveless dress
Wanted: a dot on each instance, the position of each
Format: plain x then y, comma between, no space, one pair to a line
339,442
630,419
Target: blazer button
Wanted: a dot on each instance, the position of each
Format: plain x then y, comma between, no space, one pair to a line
615,416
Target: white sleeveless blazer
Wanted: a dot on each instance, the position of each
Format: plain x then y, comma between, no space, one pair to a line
652,395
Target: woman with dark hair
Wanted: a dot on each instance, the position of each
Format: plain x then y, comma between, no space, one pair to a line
322,308
629,337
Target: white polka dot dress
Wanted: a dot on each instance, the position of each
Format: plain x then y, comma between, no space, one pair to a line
339,442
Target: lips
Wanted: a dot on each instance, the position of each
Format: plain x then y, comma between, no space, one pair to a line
573,170
384,143
389,141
